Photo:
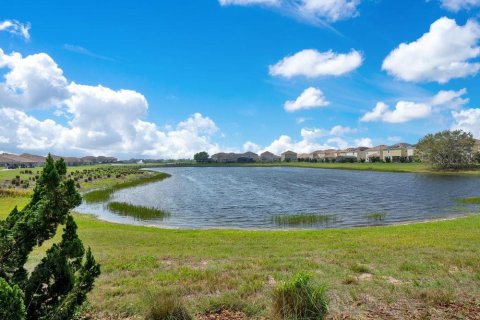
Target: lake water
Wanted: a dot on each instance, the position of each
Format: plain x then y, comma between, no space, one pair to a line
239,197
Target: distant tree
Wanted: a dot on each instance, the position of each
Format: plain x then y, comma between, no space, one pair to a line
59,284
201,157
446,149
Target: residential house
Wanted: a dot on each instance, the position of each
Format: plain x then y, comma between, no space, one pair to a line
362,153
289,156
73,161
248,157
12,161
223,157
396,152
476,146
347,155
331,155
375,153
305,156
267,156
411,152
318,155
39,160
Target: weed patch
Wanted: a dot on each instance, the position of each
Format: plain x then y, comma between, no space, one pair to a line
300,299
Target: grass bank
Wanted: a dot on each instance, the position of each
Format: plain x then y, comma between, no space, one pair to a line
419,270
381,167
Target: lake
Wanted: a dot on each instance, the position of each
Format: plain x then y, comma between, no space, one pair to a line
249,197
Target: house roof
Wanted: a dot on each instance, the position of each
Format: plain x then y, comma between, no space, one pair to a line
400,146
289,152
378,148
33,157
6,157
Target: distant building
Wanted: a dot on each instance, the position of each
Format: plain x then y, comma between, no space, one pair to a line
331,155
12,161
248,157
397,152
289,156
362,153
267,156
476,146
305,156
318,155
375,153
223,157
39,160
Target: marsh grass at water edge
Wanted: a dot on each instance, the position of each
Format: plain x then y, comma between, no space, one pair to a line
376,216
303,219
470,200
104,195
139,212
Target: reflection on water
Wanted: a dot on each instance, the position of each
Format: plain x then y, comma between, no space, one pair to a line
252,197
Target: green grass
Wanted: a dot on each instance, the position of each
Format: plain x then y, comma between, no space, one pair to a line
140,212
471,200
103,195
416,266
300,299
376,216
302,219
15,193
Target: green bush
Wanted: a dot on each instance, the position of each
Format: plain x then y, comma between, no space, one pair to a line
166,306
299,299
11,302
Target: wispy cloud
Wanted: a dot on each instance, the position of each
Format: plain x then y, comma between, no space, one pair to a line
86,52
16,28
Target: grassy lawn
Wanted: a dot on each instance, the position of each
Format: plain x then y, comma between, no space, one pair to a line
423,270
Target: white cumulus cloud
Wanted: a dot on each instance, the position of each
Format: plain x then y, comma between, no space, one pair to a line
457,5
363,142
313,139
405,111
100,120
310,98
16,28
32,81
311,63
467,120
450,98
445,52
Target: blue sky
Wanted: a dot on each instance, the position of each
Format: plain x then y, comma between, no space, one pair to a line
234,74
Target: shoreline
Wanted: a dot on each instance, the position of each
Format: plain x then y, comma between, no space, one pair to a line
416,168
232,229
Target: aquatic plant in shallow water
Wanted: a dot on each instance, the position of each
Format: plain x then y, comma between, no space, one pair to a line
140,212
376,216
303,219
471,200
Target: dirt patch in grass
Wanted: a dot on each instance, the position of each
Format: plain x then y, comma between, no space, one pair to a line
223,314
468,310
